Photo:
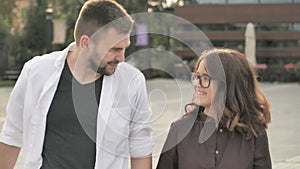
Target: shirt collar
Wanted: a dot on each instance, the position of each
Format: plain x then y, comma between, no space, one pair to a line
62,57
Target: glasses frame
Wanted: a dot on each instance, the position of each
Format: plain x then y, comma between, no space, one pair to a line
198,77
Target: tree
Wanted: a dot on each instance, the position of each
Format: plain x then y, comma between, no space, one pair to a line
4,45
6,16
6,8
35,29
139,5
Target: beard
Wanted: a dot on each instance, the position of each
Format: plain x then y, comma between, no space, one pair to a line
103,68
102,71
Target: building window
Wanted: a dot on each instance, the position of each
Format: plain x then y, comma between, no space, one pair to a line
274,27
222,27
296,26
236,27
235,44
242,1
211,1
277,44
276,1
211,27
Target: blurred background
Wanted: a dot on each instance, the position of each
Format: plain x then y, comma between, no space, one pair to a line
33,27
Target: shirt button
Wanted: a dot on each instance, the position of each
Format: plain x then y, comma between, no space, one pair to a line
217,152
221,130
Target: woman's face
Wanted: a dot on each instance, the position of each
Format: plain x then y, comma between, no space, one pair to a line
202,94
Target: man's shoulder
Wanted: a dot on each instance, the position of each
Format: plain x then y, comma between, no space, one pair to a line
44,60
49,57
127,66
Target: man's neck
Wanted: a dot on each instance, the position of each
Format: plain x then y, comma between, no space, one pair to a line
80,68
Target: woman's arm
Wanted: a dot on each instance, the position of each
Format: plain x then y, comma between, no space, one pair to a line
262,159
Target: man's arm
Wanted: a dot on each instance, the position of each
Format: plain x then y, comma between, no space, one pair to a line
140,138
141,163
8,156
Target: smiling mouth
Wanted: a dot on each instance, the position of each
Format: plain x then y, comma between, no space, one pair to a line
113,63
200,92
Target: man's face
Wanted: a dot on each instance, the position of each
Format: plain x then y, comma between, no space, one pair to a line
109,51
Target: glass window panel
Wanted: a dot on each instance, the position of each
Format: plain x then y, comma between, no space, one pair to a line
235,44
242,1
274,27
236,27
218,43
276,1
211,27
261,60
189,2
296,26
211,1
277,44
186,27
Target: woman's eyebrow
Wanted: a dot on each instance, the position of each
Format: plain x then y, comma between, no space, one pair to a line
200,74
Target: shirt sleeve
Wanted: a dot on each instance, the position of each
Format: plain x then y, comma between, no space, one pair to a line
169,157
140,137
262,159
12,131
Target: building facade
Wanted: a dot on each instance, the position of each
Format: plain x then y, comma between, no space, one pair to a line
277,27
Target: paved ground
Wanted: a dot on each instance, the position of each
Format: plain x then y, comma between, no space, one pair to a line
167,98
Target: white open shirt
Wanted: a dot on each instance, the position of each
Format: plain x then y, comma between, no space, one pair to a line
123,122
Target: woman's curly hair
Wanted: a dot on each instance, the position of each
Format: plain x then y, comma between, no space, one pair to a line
245,108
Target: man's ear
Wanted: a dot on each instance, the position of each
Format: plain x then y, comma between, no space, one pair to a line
84,41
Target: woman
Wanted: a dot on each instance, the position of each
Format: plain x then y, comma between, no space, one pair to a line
224,126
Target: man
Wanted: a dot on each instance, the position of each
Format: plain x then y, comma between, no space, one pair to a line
81,107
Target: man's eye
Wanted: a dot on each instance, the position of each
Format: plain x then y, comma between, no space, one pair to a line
116,49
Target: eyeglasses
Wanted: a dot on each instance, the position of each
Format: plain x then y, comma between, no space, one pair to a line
204,80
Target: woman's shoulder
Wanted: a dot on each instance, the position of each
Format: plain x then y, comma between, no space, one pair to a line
184,123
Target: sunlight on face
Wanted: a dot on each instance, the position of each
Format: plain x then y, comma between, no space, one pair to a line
202,95
109,51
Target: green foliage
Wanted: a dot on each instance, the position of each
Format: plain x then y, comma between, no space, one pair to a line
134,6
6,7
18,48
68,10
4,28
4,44
33,38
7,83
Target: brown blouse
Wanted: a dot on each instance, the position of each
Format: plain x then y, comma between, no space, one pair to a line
222,150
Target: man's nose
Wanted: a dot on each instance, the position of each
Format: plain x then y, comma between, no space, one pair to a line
120,56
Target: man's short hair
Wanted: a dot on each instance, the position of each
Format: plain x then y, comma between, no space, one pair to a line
97,13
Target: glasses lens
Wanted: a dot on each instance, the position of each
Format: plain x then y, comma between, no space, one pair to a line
203,80
259,78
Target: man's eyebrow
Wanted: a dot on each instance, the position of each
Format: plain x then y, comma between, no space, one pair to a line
116,48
